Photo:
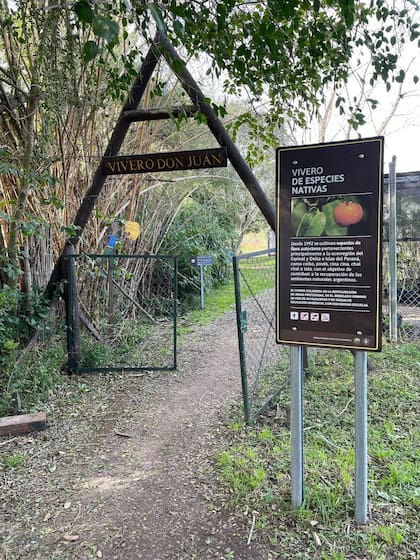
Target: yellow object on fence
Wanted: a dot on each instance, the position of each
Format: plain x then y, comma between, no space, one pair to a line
132,229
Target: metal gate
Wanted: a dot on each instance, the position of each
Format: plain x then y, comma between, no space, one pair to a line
121,312
264,363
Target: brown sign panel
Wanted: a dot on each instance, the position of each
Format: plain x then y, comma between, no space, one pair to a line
169,161
329,231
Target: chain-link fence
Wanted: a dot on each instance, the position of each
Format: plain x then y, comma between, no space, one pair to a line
264,363
408,289
122,312
406,205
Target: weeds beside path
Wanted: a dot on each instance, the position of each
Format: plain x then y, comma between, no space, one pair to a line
158,467
121,472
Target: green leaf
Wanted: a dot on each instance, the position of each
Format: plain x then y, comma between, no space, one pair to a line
10,345
400,77
157,16
178,28
83,11
90,50
312,224
105,28
347,11
200,117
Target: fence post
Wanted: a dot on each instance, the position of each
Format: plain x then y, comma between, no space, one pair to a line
175,309
393,280
238,304
72,311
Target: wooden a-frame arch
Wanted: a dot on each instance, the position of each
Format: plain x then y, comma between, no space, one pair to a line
161,46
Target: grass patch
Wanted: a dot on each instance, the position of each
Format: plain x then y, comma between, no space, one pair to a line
33,380
254,466
217,301
256,275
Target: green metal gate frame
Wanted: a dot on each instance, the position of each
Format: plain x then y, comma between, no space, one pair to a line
252,374
74,367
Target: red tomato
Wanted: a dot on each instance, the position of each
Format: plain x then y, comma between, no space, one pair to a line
348,213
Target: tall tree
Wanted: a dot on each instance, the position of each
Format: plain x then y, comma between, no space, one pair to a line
284,51
60,62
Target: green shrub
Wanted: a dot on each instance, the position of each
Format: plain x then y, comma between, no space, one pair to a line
201,229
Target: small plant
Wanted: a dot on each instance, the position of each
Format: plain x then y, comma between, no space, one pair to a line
389,534
333,556
13,461
82,388
95,354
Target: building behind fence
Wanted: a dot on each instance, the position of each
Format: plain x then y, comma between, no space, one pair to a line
407,255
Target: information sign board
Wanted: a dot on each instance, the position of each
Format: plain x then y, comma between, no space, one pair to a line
202,260
329,230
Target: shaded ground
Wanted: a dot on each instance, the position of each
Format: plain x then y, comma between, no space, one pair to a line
123,470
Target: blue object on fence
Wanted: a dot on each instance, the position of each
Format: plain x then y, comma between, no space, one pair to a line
112,241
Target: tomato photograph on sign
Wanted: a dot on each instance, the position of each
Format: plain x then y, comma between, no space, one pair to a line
329,232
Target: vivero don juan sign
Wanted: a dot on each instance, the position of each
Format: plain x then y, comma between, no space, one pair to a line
169,161
329,223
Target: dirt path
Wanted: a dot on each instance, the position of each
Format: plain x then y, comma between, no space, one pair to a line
124,470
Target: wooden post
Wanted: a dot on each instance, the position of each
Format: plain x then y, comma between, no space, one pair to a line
85,210
217,128
23,424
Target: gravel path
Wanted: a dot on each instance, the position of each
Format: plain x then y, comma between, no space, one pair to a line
125,469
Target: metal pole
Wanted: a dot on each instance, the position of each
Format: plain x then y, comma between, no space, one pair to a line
361,467
175,309
242,358
296,423
202,285
393,331
110,279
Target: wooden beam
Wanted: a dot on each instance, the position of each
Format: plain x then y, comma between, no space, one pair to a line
88,203
217,128
23,423
159,114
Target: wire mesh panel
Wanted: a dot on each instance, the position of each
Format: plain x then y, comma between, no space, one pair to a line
264,363
408,289
126,309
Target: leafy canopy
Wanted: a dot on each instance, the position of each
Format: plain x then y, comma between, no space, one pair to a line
282,51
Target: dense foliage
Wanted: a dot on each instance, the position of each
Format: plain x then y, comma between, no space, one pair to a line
65,69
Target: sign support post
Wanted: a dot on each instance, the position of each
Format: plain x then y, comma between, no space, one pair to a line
202,261
361,455
201,286
296,423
